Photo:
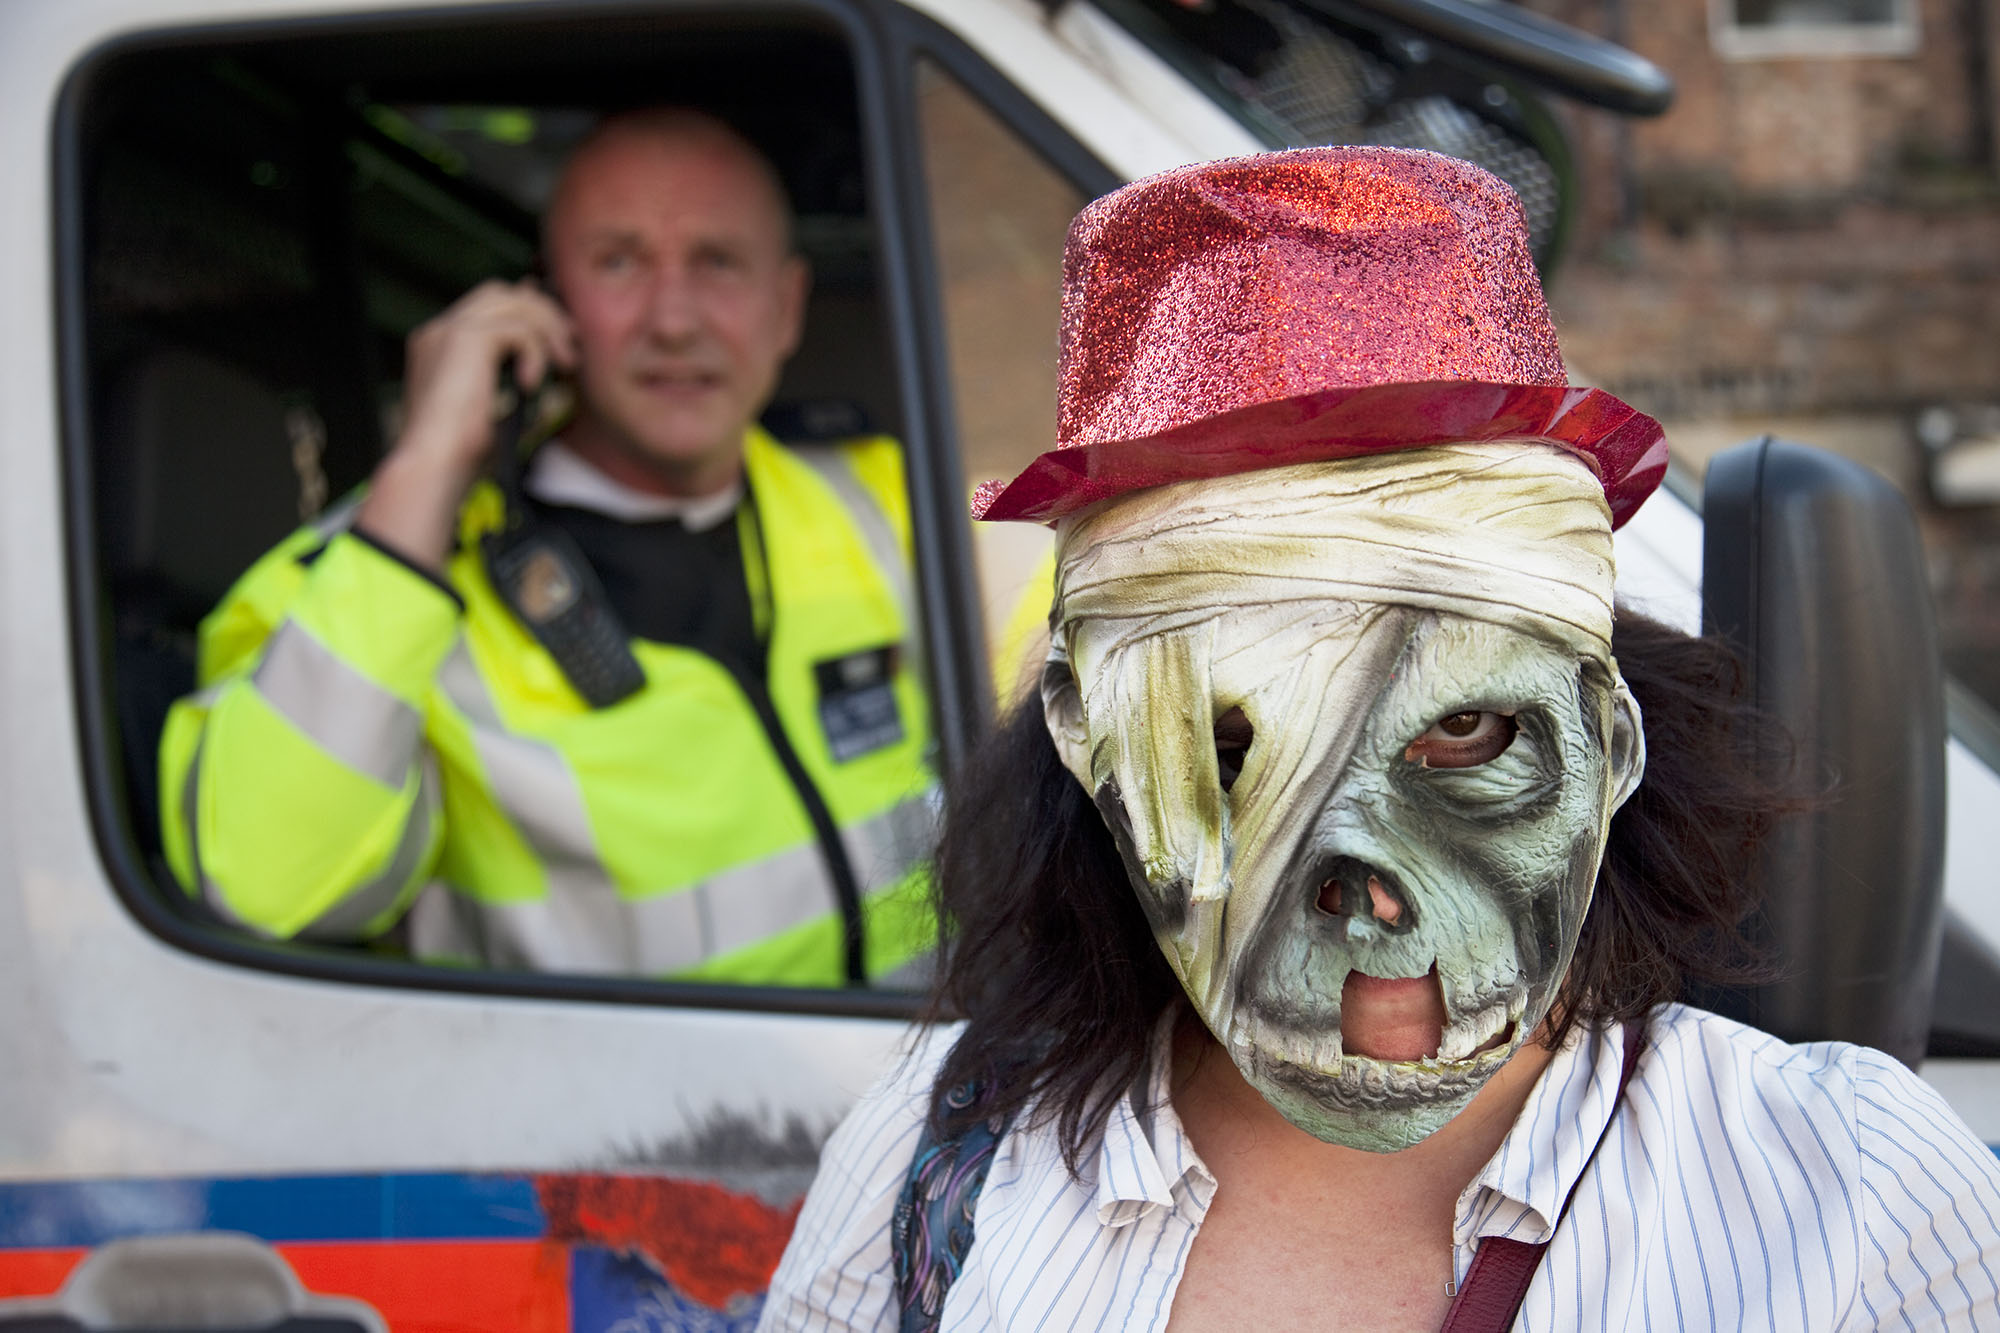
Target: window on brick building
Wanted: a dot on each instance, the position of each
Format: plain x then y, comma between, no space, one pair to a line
1778,29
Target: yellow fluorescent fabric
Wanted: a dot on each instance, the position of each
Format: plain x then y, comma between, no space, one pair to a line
1024,639
362,601
256,842
900,924
653,796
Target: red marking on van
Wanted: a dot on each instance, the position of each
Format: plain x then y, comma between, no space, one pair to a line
712,1243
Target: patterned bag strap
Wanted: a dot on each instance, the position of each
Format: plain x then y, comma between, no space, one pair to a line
931,1230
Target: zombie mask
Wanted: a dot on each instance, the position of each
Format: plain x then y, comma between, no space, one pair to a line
1357,732
1331,639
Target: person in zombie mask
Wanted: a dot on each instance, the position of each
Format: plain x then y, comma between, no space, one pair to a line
1319,922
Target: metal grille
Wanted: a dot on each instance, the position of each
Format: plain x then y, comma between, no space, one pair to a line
1324,89
1443,125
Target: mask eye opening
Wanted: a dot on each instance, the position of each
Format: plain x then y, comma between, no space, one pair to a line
1464,738
1233,734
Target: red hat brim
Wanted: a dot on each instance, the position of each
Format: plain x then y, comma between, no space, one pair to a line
1625,448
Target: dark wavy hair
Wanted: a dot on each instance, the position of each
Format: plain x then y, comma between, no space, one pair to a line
1061,982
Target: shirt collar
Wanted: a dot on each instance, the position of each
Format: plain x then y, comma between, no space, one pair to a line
558,475
1520,1191
1145,1151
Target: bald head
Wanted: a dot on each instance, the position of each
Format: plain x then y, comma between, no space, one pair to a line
674,131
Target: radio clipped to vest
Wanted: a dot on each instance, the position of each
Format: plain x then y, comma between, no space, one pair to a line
549,585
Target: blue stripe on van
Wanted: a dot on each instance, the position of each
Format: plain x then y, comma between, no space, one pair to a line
85,1213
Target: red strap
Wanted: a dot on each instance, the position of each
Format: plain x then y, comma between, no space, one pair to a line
1497,1280
1494,1285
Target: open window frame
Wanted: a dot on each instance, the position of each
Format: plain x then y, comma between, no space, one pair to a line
883,41
1896,34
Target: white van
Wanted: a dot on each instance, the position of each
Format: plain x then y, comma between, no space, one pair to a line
224,215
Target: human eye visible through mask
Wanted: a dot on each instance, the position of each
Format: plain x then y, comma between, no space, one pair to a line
1464,739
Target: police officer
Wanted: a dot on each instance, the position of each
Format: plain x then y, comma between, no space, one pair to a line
650,711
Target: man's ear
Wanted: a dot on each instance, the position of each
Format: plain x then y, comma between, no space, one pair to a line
1062,709
795,288
1628,742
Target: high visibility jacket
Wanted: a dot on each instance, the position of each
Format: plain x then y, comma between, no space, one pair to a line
364,746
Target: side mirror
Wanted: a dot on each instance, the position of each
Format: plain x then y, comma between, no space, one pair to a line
1812,567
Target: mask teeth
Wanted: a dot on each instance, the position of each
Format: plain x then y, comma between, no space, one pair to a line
1457,1042
1467,1035
1321,1053
1202,935
1306,1050
1211,877
1405,1080
1327,1054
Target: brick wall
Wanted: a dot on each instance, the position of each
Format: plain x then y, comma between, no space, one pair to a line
1809,247
1796,234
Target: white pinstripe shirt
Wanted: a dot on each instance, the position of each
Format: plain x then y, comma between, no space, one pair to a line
1745,1184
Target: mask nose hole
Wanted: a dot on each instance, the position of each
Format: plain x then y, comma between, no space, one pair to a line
1353,888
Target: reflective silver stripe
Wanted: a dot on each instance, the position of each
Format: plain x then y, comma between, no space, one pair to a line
833,468
915,974
338,519
349,716
359,905
584,925
529,779
882,850
581,924
366,901
745,904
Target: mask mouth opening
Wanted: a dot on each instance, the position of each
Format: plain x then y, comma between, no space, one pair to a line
1404,1020
1392,1018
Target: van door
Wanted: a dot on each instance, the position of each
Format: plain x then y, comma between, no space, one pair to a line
241,221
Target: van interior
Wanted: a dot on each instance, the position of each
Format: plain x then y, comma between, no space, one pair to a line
267,219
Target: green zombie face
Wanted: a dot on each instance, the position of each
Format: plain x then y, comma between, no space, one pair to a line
1357,732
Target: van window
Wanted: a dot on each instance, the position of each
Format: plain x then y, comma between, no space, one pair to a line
261,217
1000,212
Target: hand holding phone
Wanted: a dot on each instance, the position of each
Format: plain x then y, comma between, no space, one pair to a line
455,359
454,362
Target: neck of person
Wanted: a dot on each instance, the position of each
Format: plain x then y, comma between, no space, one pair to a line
1305,1234
605,448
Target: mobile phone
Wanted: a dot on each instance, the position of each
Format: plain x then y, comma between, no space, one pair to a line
544,578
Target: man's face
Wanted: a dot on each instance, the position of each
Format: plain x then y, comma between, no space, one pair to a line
1359,745
670,251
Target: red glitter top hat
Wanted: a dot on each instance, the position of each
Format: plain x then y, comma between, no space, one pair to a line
1304,306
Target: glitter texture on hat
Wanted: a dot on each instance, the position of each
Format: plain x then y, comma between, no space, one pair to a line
1306,306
